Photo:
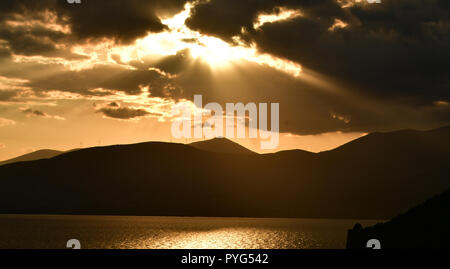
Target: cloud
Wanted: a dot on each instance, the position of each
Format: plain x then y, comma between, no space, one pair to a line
311,104
31,40
7,95
366,67
137,106
6,122
34,112
123,113
112,78
382,51
98,19
39,113
222,18
2,146
51,28
374,66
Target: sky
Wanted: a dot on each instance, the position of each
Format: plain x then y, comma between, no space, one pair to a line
109,72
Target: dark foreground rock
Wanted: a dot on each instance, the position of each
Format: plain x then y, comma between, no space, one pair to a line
426,226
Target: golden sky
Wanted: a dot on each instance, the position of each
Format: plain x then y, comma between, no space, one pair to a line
69,79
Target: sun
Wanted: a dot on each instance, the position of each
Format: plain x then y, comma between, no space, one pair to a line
215,52
218,53
212,50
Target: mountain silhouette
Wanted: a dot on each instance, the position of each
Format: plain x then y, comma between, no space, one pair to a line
376,176
36,155
424,226
221,145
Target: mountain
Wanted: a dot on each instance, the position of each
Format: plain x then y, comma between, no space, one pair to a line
221,145
423,227
36,155
393,171
377,176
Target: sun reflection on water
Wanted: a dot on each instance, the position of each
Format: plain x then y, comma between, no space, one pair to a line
226,238
126,232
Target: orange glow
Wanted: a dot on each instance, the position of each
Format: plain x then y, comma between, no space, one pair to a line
337,24
211,50
283,15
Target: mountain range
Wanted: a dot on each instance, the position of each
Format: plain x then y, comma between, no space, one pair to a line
374,177
222,145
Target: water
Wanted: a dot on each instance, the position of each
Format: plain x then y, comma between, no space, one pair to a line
122,232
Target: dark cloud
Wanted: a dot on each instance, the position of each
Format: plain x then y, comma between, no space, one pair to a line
7,95
39,113
115,19
394,54
307,106
384,55
89,21
107,78
35,40
4,53
226,18
395,49
123,113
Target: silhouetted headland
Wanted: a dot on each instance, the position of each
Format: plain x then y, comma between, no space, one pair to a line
424,226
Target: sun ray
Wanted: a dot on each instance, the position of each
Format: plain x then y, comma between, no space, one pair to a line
212,50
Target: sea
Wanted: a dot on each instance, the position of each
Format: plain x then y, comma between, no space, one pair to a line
136,232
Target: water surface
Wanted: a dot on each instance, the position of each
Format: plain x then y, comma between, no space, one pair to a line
123,232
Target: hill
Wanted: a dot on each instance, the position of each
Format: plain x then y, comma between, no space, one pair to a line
377,177
36,155
221,145
423,227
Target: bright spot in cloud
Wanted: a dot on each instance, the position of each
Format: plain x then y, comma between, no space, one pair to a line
337,24
283,14
177,38
212,50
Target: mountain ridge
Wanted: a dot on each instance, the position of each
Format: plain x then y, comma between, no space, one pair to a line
168,179
208,145
221,145
32,156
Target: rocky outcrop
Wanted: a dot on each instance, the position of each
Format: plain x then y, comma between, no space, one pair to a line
426,226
